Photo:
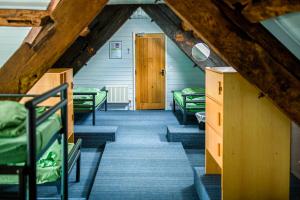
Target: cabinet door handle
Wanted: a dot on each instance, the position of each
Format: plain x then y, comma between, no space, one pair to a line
219,149
219,118
220,87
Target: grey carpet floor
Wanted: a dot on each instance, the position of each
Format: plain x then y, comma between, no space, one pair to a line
141,164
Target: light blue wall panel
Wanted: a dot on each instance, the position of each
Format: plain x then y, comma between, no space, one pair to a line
24,4
286,29
10,40
101,70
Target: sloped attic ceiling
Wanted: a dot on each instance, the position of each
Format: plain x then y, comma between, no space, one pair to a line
221,24
11,37
248,47
108,22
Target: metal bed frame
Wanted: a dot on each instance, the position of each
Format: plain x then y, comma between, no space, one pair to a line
27,173
183,108
94,107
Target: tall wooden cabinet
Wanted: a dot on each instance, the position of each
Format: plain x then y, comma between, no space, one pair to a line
247,138
51,79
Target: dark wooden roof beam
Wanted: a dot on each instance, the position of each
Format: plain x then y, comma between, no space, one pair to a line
100,31
249,57
179,32
29,62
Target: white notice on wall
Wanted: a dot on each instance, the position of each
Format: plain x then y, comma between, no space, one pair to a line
115,50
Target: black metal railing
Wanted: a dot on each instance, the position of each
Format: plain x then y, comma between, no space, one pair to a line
27,173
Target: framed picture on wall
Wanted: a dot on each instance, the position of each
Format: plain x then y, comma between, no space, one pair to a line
115,50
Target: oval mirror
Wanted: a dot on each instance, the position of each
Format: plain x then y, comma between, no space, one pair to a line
200,52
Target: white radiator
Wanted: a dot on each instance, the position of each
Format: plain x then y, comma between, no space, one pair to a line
117,94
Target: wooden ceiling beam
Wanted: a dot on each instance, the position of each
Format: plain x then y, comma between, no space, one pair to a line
242,52
52,5
167,20
256,11
28,64
262,36
34,32
101,30
24,17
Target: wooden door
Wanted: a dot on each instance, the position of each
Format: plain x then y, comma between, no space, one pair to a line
150,71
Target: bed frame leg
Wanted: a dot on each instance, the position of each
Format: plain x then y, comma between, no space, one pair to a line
64,174
22,185
58,187
184,118
78,168
174,106
94,111
105,105
31,149
94,116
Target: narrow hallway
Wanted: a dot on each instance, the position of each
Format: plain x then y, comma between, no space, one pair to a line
141,164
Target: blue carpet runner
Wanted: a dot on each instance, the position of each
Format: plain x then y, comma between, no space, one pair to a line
141,165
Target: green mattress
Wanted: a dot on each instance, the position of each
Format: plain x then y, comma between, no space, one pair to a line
48,167
79,104
14,149
191,107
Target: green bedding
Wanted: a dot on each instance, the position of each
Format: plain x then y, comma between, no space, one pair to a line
48,167
12,119
193,91
191,107
87,105
13,149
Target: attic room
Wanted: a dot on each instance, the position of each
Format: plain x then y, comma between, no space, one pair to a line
144,99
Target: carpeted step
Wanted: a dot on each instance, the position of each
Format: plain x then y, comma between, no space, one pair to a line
190,136
207,186
95,136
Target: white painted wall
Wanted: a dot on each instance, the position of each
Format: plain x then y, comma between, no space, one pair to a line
286,29
101,70
10,40
12,37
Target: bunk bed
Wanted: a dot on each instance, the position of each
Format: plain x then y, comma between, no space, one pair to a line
90,100
28,137
189,101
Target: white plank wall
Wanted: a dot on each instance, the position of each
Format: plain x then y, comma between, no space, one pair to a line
12,37
101,70
10,40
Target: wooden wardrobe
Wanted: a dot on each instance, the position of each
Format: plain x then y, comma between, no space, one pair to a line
247,138
51,79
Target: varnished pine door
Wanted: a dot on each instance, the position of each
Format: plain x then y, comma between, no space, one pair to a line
150,71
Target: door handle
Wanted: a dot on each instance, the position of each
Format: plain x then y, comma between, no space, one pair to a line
162,72
220,87
219,118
